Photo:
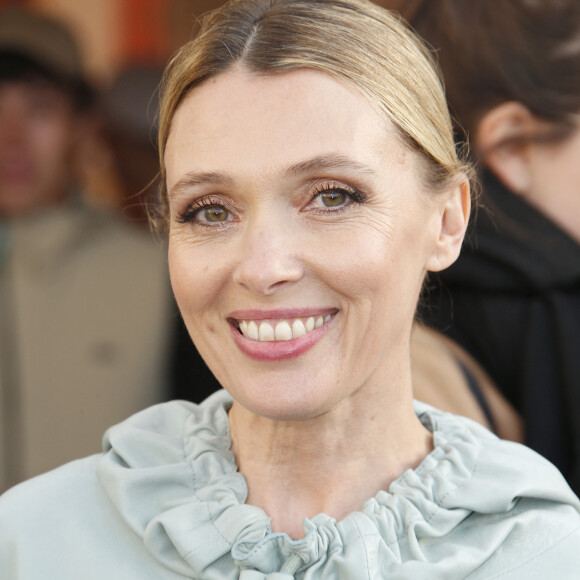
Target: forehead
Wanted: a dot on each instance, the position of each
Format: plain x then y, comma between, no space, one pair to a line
240,119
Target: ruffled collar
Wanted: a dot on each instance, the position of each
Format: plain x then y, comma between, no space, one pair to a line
171,475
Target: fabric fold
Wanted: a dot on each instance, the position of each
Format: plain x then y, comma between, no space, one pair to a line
171,475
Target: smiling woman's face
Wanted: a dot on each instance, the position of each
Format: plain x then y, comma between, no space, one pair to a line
299,238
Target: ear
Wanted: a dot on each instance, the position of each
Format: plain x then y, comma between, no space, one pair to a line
501,141
454,219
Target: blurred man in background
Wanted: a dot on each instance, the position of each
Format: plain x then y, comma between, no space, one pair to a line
84,296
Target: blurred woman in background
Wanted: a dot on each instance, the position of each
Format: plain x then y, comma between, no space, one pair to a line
512,75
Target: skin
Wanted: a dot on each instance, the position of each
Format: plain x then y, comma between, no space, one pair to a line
439,381
554,178
546,174
246,144
38,133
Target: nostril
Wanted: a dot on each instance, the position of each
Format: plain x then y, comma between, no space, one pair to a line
279,284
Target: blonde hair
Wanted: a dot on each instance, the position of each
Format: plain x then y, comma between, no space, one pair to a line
355,41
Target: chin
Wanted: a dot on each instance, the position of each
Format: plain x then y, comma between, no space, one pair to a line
279,402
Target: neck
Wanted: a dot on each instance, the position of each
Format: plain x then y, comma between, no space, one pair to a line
328,464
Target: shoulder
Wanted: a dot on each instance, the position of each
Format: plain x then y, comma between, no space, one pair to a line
65,483
509,470
447,377
76,485
89,518
42,513
63,525
519,512
541,541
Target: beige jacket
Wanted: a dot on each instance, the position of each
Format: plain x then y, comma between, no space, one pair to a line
84,316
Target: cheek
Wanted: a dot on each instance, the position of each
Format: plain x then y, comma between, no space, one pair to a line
196,276
54,144
361,269
183,273
380,268
357,262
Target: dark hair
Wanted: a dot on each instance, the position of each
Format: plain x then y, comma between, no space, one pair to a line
16,67
494,51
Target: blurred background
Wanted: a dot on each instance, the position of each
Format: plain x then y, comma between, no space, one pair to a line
115,33
125,45
89,332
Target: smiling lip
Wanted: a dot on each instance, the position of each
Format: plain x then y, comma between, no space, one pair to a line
280,334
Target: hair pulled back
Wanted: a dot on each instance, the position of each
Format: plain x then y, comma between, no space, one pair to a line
355,41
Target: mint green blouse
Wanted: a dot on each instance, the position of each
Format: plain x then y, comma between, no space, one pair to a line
165,501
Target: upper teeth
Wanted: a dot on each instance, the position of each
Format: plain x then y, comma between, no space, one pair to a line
282,330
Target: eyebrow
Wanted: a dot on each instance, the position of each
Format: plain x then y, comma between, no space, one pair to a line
192,179
316,164
326,162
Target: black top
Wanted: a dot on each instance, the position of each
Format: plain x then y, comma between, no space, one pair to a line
190,377
513,301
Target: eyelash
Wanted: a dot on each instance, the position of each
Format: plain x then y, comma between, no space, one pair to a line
188,214
352,193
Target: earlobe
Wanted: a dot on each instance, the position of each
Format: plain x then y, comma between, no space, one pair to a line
454,220
502,141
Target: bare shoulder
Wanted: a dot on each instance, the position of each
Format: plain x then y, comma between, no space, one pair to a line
439,380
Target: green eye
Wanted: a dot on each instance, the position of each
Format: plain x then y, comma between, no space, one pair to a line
333,198
215,214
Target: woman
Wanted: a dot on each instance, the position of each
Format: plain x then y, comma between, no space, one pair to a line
512,74
311,181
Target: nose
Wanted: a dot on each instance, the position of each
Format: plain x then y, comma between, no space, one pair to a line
269,257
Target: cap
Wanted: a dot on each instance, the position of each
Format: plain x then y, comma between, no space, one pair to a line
41,39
